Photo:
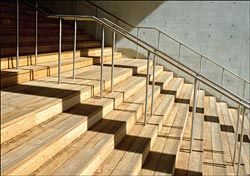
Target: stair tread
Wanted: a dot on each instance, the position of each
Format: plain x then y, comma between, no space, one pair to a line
10,62
63,87
41,66
50,97
91,52
86,148
163,155
128,161
127,155
186,163
228,139
173,86
228,133
156,163
213,151
67,121
164,77
185,93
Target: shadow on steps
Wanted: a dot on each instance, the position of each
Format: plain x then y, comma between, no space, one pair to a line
181,172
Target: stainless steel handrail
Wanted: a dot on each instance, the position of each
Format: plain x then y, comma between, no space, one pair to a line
197,52
177,62
161,32
197,76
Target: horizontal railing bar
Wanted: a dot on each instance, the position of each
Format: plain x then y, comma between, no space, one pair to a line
155,51
158,53
146,27
137,39
195,51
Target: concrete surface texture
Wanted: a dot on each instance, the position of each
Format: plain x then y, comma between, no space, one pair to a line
219,30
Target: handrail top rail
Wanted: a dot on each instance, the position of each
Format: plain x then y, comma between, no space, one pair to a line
155,51
182,43
197,52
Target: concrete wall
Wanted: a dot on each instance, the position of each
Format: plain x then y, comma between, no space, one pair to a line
220,30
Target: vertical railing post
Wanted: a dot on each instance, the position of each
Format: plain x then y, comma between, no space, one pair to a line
199,83
222,79
241,140
17,34
237,133
74,52
179,58
101,76
36,39
60,50
113,58
147,84
96,25
153,86
244,87
158,45
137,46
193,113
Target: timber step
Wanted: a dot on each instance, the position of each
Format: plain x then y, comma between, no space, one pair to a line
45,98
28,73
228,129
162,157
44,31
129,156
85,154
27,39
25,50
96,51
192,163
22,155
213,150
134,140
10,62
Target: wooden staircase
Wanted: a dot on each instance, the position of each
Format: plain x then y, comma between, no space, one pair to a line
66,129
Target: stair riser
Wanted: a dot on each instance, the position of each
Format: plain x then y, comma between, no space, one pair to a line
46,48
7,63
179,88
45,154
157,73
115,139
95,52
141,159
29,76
32,119
179,146
25,77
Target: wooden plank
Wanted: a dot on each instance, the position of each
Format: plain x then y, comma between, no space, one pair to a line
67,104
27,73
168,156
226,137
95,102
138,159
218,153
104,140
195,164
173,86
208,156
214,148
244,169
